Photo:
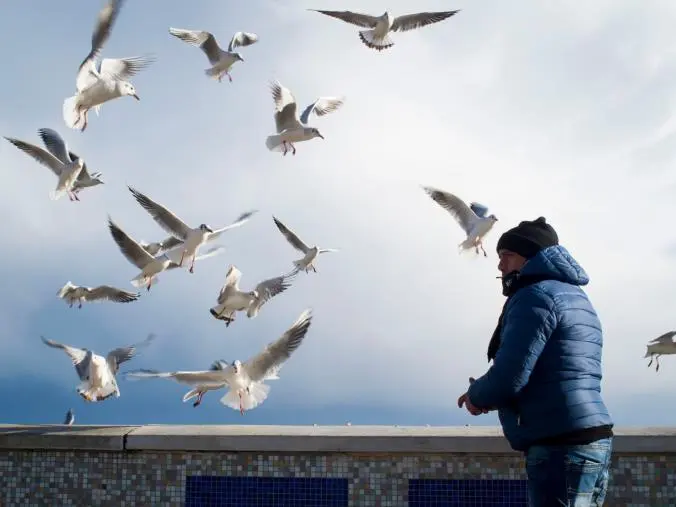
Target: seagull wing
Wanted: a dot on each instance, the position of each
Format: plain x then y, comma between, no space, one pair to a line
354,18
271,358
665,338
232,278
103,292
321,106
122,69
291,236
239,221
104,26
209,377
267,289
80,357
165,218
56,145
479,209
242,39
286,109
201,39
42,156
122,354
418,20
455,206
129,248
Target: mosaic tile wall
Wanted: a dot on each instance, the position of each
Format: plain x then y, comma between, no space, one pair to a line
79,478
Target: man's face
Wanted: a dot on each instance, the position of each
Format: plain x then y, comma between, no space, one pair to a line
510,261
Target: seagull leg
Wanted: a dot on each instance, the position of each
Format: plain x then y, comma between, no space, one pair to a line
657,362
650,362
483,249
229,76
192,264
199,399
182,257
285,148
150,283
86,120
241,407
313,268
293,148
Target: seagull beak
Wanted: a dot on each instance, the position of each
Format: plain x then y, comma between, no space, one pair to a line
136,97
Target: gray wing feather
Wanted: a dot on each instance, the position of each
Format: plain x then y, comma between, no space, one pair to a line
55,144
122,354
37,153
201,39
112,294
418,20
277,352
267,289
103,28
479,209
665,338
291,236
80,357
164,218
321,107
242,39
354,18
132,251
455,206
286,108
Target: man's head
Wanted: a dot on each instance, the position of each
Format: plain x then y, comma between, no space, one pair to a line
522,242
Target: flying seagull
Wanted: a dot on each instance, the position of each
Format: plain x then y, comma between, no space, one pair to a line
75,293
245,381
149,265
472,218
232,300
100,82
310,253
379,27
221,61
67,170
290,128
70,417
201,381
661,345
96,373
192,238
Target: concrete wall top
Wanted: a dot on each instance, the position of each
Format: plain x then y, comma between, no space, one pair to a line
289,439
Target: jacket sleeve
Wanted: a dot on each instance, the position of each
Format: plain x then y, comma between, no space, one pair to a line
527,325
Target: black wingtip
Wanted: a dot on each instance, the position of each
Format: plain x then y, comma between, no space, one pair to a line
213,312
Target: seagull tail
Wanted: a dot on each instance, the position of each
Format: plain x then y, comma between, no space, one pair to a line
70,114
369,40
98,393
213,72
56,194
257,394
140,281
273,142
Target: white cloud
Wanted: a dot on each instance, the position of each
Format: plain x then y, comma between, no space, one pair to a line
533,109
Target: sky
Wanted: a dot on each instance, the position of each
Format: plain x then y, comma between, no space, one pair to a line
531,108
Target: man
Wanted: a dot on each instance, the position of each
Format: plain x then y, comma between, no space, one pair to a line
545,381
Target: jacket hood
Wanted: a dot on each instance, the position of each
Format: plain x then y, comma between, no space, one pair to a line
556,263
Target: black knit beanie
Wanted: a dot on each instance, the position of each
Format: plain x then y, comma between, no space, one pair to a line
528,238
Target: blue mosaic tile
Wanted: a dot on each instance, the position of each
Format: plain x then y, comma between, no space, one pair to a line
222,491
467,493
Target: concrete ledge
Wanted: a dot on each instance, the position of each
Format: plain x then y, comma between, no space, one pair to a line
43,437
302,439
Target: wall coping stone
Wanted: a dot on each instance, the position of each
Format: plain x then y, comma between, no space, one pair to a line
301,439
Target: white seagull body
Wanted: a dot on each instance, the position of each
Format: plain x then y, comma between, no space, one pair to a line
661,345
101,82
66,169
245,381
149,265
97,373
309,253
78,294
290,128
192,238
232,300
221,61
472,218
379,27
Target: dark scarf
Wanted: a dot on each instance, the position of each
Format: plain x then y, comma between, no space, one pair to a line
511,283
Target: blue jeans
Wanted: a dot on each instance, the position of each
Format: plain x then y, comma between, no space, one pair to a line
568,475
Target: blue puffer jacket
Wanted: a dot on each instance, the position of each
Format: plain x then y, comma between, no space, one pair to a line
546,376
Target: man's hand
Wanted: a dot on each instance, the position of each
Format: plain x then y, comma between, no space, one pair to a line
464,400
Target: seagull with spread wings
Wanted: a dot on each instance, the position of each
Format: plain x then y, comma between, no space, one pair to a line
66,168
100,82
192,238
379,27
149,265
663,344
97,373
72,294
290,128
232,300
472,218
221,61
245,381
309,253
